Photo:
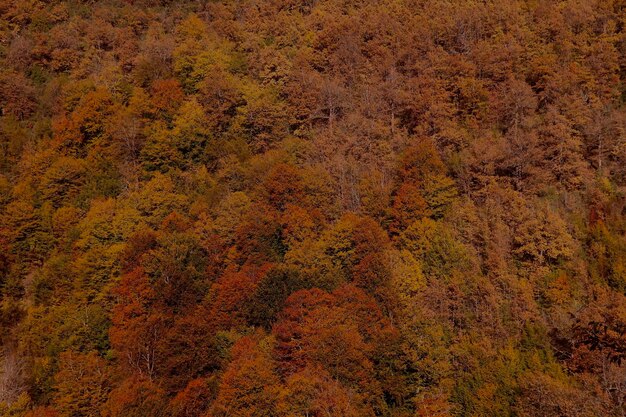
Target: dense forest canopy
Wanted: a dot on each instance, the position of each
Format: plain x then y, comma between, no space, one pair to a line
281,208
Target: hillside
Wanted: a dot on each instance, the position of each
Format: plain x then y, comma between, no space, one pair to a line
316,208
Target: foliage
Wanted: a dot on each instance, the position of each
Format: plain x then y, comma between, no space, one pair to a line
312,208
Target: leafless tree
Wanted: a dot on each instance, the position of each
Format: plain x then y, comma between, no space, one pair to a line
11,377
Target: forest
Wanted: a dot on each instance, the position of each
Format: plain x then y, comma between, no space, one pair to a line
312,208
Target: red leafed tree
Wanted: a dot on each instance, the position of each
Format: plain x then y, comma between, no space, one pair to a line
340,332
313,392
137,327
167,95
136,397
408,206
194,400
231,292
250,385
283,185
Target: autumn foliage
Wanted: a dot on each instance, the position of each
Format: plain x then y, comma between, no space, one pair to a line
280,208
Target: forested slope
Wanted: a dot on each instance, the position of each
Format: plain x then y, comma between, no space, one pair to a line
312,208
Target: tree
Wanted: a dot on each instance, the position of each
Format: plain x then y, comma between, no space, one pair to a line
194,400
136,397
545,396
315,393
18,95
233,292
136,328
189,350
191,134
82,385
341,332
249,385
166,96
271,293
283,185
408,206
63,180
12,383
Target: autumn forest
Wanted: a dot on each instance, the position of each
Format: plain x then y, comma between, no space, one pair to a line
312,208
